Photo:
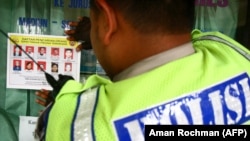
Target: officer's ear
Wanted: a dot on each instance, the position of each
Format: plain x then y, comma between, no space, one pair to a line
108,20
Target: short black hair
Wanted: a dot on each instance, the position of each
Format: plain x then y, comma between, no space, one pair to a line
68,49
53,63
147,16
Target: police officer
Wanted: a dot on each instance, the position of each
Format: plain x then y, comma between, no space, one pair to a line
160,71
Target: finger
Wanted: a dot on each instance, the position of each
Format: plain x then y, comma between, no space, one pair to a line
69,32
42,93
79,48
41,102
39,93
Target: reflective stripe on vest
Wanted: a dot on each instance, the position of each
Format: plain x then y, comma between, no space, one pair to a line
82,127
221,40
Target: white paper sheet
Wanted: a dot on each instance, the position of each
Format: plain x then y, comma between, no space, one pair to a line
24,78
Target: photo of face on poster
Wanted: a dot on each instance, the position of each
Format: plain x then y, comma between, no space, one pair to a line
30,50
17,65
41,52
41,65
68,67
68,54
28,65
54,67
17,51
55,53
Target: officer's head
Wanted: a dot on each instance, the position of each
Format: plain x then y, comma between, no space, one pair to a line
119,27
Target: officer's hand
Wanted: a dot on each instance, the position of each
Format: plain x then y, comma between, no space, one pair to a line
58,84
44,97
80,31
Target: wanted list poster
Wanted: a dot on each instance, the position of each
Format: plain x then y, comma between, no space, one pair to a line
55,54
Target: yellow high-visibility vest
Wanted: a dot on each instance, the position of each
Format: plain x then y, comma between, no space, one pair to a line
211,86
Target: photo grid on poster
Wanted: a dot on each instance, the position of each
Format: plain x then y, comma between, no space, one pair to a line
54,54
